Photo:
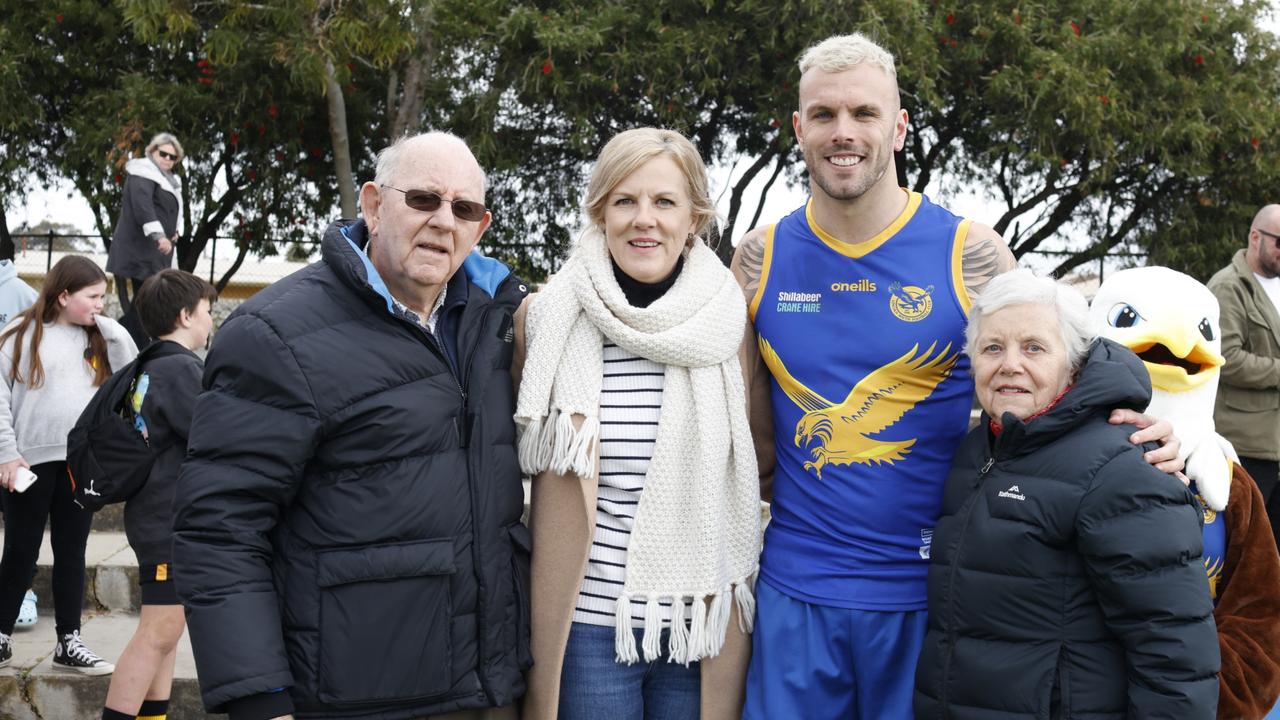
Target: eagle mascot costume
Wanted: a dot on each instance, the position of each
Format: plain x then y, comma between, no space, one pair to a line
1171,322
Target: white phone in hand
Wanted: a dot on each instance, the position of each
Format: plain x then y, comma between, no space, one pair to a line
24,479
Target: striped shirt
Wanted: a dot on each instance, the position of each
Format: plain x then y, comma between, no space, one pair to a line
630,401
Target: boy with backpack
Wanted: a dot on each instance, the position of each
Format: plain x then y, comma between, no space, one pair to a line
173,307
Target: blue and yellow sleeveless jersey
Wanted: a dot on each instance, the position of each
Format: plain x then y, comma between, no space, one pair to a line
1215,543
871,398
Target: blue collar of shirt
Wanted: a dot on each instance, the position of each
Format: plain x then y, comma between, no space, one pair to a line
455,295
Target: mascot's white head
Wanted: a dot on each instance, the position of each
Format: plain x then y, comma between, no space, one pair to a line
1170,321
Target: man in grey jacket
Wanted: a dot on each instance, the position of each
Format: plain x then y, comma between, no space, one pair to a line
1248,406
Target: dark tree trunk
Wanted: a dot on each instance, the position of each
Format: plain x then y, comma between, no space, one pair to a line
6,240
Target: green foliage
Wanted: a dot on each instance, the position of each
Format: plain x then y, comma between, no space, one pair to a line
257,163
1136,125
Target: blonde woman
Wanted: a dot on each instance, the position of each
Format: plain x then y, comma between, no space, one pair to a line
645,510
147,229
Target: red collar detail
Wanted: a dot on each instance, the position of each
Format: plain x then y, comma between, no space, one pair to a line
997,428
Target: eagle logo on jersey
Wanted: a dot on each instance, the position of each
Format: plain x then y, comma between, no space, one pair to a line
1213,568
910,303
841,434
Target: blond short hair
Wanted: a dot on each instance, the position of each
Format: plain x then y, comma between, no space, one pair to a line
628,150
165,138
842,52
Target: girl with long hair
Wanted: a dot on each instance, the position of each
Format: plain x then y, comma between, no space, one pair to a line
52,359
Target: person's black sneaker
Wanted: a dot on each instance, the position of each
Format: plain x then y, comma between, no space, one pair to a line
71,654
6,650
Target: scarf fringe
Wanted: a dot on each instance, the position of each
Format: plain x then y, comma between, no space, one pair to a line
678,641
624,640
533,452
552,443
582,447
697,628
561,441
652,642
702,636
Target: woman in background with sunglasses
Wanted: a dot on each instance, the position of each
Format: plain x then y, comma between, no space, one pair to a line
147,229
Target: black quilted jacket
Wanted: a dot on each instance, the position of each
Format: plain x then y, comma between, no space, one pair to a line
1065,578
348,517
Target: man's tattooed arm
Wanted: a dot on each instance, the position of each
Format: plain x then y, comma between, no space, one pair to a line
748,262
986,255
747,266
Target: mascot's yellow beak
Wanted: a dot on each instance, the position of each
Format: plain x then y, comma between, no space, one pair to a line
1178,357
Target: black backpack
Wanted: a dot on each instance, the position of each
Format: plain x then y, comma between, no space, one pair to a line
107,458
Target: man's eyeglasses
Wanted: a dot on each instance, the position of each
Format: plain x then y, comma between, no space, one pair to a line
1274,237
468,210
167,156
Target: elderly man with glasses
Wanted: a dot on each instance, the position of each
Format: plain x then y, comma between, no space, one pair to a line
348,538
1248,406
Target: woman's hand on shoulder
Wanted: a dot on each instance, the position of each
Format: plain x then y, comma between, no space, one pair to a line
1152,429
9,473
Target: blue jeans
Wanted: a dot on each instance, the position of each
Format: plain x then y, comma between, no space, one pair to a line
593,685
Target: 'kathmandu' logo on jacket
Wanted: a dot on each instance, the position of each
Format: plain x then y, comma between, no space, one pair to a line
1012,493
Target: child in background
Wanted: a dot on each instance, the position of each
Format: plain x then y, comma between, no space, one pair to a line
173,306
52,358
15,296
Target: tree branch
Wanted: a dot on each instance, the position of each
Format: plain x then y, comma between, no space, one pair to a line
735,198
242,251
1101,248
1061,213
764,192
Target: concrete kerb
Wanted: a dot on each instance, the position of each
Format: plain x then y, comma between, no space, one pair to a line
33,689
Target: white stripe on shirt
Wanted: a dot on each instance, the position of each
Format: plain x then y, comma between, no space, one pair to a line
630,401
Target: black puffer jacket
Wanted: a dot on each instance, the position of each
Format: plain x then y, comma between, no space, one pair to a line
1065,578
348,518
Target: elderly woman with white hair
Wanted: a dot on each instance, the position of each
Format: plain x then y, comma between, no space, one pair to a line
1065,577
147,229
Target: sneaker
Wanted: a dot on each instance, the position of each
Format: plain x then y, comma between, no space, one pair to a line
6,650
71,654
27,611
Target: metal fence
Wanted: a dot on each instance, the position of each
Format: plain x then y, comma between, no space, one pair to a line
1112,260
37,252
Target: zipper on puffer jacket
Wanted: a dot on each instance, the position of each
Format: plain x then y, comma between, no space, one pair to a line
465,426
951,587
482,624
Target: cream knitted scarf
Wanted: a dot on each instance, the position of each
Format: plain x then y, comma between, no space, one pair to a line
696,539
